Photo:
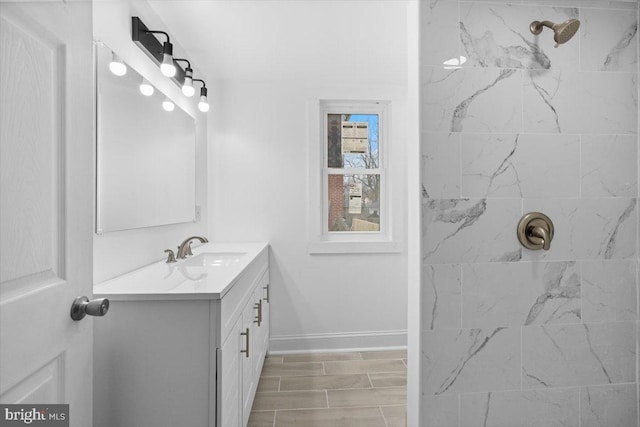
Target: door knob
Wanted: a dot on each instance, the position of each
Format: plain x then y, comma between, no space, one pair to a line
82,306
535,231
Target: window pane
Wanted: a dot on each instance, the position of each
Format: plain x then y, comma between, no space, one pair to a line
354,202
352,141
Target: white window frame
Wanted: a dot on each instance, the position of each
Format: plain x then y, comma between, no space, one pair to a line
321,240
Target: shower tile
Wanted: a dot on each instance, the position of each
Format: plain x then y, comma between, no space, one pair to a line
440,165
514,294
573,355
575,102
609,165
440,37
470,360
610,405
495,35
587,228
441,296
609,290
508,165
520,408
471,100
609,39
470,230
440,411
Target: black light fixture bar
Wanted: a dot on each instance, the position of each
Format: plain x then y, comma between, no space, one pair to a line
144,38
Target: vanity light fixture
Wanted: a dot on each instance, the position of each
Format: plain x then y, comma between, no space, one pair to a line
187,85
203,105
168,105
146,88
117,65
161,54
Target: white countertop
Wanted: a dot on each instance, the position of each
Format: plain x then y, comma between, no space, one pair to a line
208,274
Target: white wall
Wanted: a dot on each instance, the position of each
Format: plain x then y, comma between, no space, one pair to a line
118,252
258,191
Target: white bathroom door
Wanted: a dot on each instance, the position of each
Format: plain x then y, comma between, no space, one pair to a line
46,203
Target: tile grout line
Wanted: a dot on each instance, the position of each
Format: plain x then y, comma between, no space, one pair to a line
383,417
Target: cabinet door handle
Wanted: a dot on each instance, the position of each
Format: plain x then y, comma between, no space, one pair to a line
258,306
267,289
246,340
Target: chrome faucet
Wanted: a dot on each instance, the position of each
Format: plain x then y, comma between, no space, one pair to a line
185,247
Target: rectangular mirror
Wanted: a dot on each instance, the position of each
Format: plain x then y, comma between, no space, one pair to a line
145,154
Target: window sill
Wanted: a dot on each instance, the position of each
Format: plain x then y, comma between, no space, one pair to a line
336,247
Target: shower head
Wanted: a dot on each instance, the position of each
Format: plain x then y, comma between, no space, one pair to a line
561,32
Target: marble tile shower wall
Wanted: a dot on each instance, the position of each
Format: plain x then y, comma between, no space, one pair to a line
513,337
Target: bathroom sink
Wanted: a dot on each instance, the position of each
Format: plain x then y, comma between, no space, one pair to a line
214,259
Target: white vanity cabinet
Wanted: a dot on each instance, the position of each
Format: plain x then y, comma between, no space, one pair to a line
242,355
177,357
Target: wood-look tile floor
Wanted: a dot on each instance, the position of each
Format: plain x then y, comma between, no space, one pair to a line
367,389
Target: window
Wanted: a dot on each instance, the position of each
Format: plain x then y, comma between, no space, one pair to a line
352,169
352,172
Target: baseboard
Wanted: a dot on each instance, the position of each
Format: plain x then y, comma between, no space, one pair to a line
351,341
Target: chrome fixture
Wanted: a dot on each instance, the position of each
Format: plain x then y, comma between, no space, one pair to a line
203,105
82,306
185,247
535,231
171,257
562,33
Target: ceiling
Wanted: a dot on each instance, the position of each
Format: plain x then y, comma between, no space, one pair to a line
325,40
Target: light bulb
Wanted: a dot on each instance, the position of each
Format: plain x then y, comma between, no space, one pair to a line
168,105
146,88
167,68
188,90
187,86
203,105
117,66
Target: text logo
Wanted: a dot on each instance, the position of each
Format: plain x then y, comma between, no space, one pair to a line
34,415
